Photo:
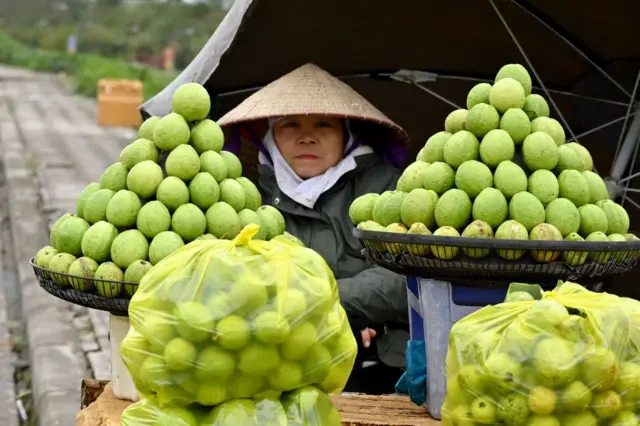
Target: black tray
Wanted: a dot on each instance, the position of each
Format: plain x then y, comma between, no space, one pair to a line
62,286
411,255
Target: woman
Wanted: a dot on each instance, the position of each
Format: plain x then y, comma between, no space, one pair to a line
311,167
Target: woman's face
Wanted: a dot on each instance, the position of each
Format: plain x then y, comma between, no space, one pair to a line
310,143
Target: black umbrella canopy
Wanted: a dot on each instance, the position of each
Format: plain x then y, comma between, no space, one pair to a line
584,57
572,46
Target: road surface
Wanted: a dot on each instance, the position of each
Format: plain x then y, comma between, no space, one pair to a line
50,147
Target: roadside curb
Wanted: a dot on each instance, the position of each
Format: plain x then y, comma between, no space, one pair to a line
56,376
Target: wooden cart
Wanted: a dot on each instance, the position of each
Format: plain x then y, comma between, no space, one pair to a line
100,406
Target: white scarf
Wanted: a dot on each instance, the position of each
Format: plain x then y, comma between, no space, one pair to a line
307,191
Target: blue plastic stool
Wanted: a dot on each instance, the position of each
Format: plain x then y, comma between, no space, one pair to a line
434,306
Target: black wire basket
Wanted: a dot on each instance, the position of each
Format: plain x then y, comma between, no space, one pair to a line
491,263
104,295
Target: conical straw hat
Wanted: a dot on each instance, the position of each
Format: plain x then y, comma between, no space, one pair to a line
308,90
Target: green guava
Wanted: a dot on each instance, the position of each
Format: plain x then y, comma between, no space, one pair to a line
586,162
539,151
183,162
592,219
510,179
472,177
511,230
545,232
516,123
490,206
544,185
191,101
455,121
535,106
145,131
477,229
597,188
207,136
44,255
129,246
564,215
252,197
478,94
140,150
172,192
213,163
361,209
574,258
439,177
163,244
433,148
506,93
232,163
171,131
617,217
144,179
69,235
461,147
412,176
387,209
153,218
419,207
453,209
96,242
481,119
518,73
567,159
445,252
189,222
496,147
95,208
123,209
84,196
551,127
526,209
574,186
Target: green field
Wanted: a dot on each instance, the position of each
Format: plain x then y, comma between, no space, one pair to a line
85,69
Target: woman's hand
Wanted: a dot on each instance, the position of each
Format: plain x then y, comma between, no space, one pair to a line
367,335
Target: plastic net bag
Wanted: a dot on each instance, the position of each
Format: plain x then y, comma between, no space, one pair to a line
306,406
222,319
570,358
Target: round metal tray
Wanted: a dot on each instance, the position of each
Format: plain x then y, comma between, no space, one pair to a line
412,255
114,298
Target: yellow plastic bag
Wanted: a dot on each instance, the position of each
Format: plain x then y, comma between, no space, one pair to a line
309,406
146,412
223,319
306,406
570,358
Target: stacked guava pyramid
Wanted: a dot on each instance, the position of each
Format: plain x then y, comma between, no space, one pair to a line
500,169
172,185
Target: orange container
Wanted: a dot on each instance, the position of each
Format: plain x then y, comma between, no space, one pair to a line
118,102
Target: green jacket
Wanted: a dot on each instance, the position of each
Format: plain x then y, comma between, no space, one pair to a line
368,292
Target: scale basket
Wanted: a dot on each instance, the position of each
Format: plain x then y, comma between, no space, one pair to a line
490,263
114,298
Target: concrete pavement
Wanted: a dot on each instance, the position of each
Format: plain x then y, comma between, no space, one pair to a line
51,147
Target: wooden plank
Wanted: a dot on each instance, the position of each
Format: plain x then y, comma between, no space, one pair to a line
388,410
355,410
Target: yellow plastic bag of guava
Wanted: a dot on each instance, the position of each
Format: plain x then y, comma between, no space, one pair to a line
309,406
146,412
221,319
570,358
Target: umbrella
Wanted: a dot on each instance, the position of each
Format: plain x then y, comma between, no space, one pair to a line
417,59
